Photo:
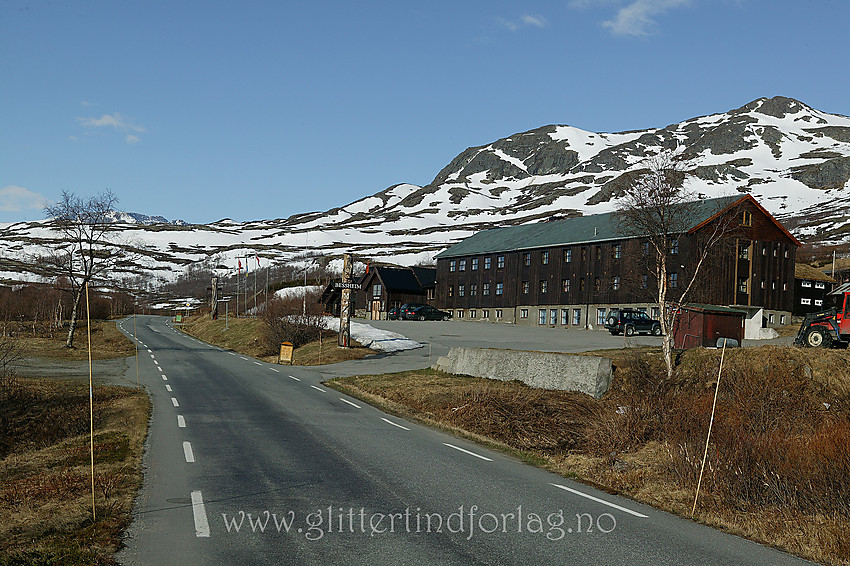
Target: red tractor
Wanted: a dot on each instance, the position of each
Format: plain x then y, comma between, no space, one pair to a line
829,328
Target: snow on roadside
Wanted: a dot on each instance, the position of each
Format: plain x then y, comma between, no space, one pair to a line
375,338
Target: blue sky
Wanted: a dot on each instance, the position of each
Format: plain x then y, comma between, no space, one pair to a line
261,109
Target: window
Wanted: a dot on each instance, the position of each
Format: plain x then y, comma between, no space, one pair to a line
645,248
473,289
784,286
781,319
544,286
644,281
486,263
525,287
598,253
472,313
771,318
581,284
526,258
542,316
616,283
596,284
656,312
674,279
459,314
617,250
461,265
461,290
584,254
576,317
523,313
742,285
600,316
498,313
807,284
474,263
819,285
674,246
744,250
544,258
485,290
565,285
762,284
500,262
786,254
764,250
553,316
773,285
485,314
452,265
500,288
775,252
805,301
746,218
377,288
568,255
818,302
565,316
451,290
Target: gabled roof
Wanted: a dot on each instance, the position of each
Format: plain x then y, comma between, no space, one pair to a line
577,230
399,279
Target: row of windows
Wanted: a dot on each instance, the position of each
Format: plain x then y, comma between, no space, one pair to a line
460,264
473,289
743,285
818,302
818,285
744,250
474,314
616,253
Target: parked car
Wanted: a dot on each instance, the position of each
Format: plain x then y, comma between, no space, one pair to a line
427,312
394,313
629,321
406,311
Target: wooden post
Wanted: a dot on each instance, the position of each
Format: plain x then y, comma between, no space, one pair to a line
345,307
214,300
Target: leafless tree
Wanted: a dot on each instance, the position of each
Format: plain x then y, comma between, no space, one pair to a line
87,251
659,207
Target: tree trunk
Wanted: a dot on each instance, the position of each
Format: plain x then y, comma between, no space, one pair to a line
69,343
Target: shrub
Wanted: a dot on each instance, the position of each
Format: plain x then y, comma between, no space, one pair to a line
287,321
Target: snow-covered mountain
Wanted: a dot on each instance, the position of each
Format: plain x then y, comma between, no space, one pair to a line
793,159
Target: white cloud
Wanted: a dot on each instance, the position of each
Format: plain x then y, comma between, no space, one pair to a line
116,121
17,199
636,18
526,20
132,139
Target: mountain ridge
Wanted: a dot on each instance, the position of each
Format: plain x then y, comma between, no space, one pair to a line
794,159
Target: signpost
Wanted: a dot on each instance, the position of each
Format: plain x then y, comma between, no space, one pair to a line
345,307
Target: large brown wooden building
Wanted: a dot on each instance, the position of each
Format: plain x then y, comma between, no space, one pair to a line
571,272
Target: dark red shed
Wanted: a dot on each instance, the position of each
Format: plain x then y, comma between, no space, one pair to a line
701,325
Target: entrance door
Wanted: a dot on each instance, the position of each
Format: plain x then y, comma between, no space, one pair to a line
376,310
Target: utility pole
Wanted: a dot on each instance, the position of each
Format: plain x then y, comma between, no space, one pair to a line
345,307
214,299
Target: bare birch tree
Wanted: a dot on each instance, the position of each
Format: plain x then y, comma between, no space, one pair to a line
659,207
87,251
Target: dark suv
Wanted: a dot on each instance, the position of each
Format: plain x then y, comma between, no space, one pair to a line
630,321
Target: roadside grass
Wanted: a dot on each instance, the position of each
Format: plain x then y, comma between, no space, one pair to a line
779,465
245,336
45,496
107,343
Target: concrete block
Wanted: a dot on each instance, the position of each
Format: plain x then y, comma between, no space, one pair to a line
544,370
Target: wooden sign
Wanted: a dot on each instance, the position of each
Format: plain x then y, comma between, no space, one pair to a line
285,353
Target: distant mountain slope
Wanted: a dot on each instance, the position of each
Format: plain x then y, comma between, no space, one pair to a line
793,159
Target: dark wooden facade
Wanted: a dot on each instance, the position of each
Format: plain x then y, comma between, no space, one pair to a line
702,325
810,290
386,287
753,266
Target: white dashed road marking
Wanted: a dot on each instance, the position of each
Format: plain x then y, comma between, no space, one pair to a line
293,377
174,402
187,451
181,422
318,388
199,512
596,499
355,405
394,424
168,388
467,452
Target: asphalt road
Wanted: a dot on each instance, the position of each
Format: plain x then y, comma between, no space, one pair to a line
253,463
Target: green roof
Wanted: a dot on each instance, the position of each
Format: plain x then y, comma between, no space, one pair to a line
578,230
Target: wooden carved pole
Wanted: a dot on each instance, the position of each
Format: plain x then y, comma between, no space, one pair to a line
345,307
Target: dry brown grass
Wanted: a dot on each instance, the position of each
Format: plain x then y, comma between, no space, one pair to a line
245,336
107,343
779,466
45,498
